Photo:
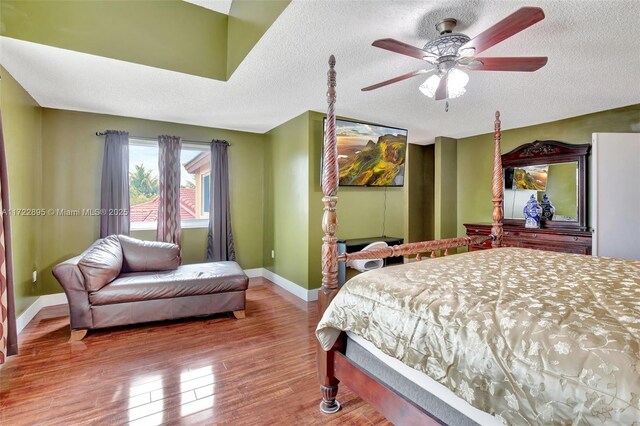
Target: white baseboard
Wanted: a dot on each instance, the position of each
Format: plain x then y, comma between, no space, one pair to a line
254,273
290,286
41,302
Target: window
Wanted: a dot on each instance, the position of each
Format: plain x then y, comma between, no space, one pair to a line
196,165
206,193
143,184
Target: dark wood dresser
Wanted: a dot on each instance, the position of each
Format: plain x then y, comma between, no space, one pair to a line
568,240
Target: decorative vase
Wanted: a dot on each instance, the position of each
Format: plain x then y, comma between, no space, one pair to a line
532,213
547,208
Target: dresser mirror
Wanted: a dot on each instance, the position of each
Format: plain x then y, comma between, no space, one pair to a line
553,172
559,182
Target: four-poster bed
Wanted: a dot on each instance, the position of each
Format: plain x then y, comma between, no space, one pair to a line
458,321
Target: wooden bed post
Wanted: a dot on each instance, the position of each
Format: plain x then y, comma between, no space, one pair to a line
329,361
497,186
328,382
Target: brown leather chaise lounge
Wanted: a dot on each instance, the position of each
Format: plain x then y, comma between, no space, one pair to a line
120,280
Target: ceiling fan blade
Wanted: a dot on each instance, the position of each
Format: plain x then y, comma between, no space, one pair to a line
402,48
512,24
396,79
525,64
441,91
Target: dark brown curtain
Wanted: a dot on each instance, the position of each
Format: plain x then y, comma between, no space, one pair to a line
220,241
8,331
114,200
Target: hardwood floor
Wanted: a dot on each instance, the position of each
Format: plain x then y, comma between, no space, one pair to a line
218,370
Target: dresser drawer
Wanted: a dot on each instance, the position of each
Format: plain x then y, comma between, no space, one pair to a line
564,248
547,237
482,246
560,240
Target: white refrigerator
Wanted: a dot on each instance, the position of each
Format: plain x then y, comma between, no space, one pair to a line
615,201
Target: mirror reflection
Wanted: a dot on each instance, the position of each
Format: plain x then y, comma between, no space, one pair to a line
558,182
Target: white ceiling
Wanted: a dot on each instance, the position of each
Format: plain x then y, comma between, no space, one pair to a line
220,6
593,49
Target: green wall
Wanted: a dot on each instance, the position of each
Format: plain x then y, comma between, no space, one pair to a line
446,186
21,121
475,154
55,161
419,194
286,200
361,211
293,203
168,34
73,163
248,21
561,189
275,191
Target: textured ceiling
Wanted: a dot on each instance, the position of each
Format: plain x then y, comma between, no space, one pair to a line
220,6
593,49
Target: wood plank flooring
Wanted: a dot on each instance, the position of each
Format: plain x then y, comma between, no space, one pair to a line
217,370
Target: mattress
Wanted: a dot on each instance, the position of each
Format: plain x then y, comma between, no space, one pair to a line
529,336
453,410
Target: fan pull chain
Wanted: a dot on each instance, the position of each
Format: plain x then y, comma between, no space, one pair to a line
446,106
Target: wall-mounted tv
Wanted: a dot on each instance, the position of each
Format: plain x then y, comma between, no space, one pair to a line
370,154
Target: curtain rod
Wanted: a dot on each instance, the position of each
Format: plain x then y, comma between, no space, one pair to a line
145,138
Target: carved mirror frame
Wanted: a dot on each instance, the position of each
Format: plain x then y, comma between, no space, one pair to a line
552,152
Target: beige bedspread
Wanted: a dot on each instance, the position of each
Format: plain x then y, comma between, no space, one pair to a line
529,336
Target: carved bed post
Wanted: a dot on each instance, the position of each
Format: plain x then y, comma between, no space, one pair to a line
328,382
497,186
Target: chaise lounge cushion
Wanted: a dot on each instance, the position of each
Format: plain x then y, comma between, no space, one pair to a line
187,280
143,256
102,263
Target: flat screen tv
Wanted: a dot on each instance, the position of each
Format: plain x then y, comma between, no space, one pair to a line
370,154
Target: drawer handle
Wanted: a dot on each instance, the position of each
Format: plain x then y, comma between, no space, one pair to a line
534,235
575,238
506,233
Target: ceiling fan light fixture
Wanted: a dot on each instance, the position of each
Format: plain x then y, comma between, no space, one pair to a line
456,84
428,88
468,52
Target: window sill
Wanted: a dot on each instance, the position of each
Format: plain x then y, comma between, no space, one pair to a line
195,223
187,224
143,226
